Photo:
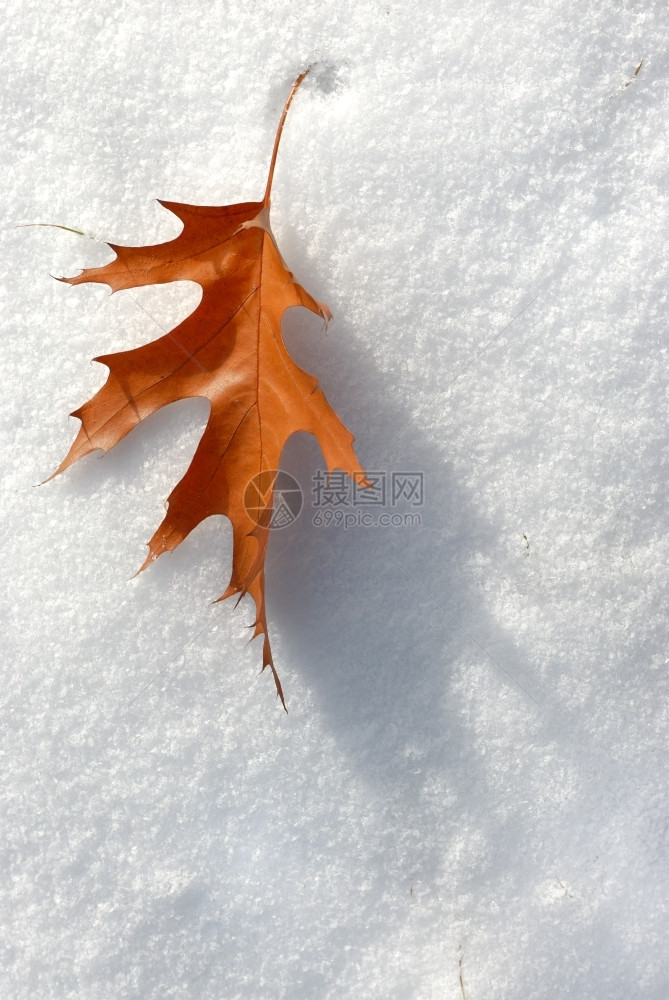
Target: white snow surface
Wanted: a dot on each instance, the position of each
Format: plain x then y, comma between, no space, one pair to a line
471,781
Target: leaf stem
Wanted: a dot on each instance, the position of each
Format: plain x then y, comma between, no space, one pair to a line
277,138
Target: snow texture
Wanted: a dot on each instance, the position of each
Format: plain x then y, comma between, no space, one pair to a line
474,765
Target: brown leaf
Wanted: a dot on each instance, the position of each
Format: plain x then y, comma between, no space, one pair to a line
229,350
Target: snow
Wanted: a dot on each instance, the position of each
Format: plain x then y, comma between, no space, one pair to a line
474,764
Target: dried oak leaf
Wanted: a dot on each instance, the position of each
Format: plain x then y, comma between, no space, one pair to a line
231,352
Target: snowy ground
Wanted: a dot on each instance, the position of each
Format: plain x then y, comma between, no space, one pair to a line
474,765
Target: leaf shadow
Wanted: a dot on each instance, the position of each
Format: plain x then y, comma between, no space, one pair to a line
374,617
